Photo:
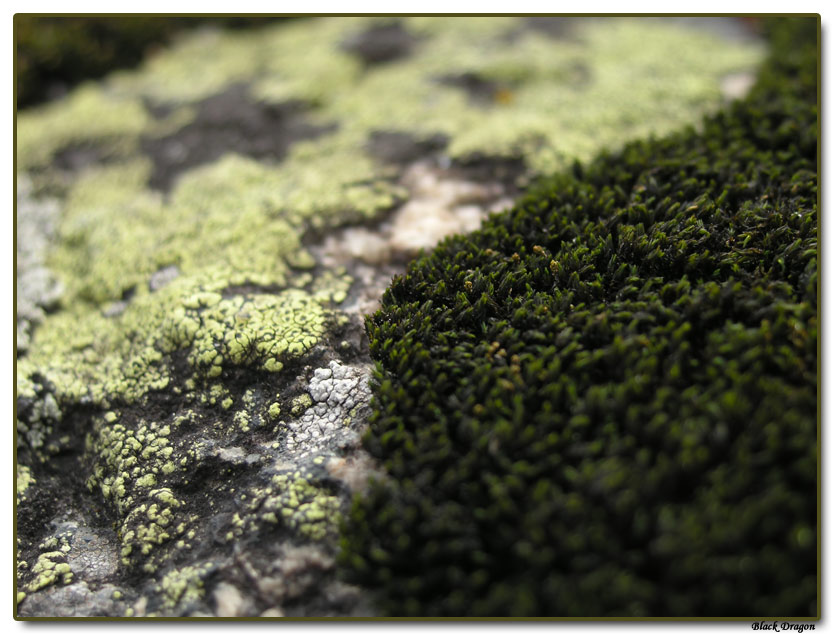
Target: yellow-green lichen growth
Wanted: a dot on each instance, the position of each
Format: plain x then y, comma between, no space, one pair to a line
86,355
292,500
149,525
130,465
126,459
88,114
25,479
264,328
242,420
226,217
50,568
183,586
300,403
612,79
553,99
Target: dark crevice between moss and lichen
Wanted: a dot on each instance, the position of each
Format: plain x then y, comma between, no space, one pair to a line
604,401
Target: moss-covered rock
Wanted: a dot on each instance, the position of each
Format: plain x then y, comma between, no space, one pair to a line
604,401
193,379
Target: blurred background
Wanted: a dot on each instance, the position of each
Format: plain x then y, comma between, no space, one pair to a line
55,53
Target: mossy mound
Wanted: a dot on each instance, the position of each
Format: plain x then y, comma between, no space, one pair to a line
604,401
191,376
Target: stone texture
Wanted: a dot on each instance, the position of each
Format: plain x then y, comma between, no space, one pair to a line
198,242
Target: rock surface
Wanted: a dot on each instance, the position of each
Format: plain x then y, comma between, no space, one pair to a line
199,241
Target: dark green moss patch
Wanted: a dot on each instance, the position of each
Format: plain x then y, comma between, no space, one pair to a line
604,401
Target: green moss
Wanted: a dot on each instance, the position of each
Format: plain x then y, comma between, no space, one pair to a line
604,401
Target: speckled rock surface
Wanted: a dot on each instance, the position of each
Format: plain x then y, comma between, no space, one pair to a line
199,241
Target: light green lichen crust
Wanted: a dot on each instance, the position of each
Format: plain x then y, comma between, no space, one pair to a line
604,82
24,481
130,464
292,501
51,566
183,586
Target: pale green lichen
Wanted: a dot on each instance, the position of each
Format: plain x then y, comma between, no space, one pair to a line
224,220
183,586
300,403
88,114
293,501
611,80
216,393
129,464
217,240
242,420
561,98
151,524
25,479
259,329
51,566
86,355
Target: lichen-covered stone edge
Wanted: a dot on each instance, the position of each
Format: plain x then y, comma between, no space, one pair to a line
490,508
